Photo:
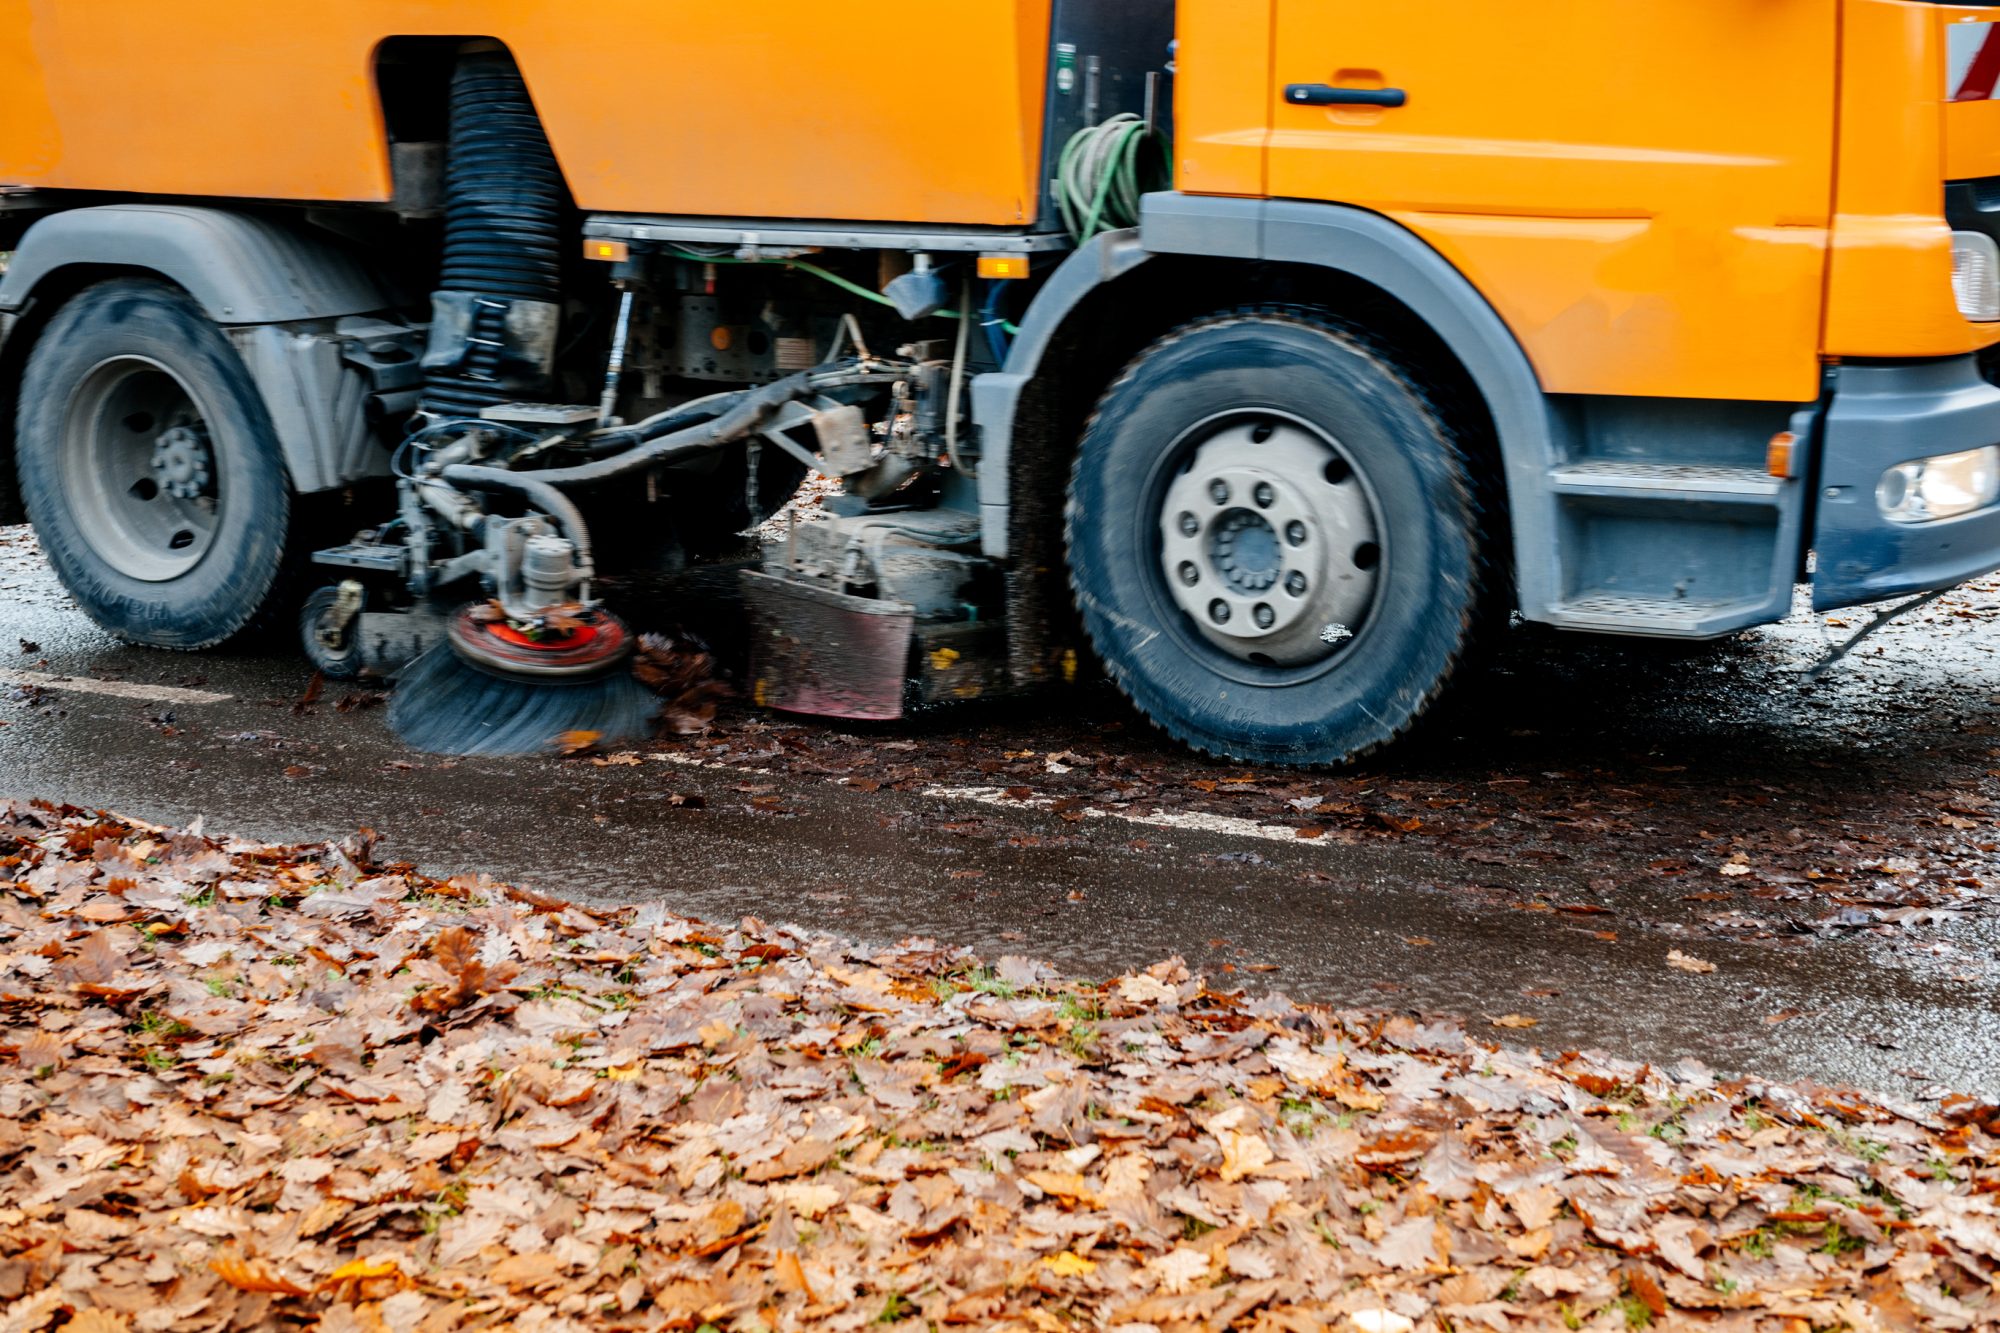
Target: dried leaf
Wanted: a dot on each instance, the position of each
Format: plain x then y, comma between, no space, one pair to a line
1688,963
255,1275
1178,1270
354,1269
1382,1321
619,1116
1642,1285
685,677
1410,1244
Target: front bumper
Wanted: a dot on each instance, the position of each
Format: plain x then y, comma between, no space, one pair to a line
1883,414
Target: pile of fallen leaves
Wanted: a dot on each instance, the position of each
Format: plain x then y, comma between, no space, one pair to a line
247,1086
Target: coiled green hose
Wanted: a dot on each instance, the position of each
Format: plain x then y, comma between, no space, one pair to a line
1102,172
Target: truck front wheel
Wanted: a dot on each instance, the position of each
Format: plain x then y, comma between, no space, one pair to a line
149,468
1273,541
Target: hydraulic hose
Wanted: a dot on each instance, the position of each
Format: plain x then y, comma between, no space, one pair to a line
618,439
502,228
1102,173
641,452
532,487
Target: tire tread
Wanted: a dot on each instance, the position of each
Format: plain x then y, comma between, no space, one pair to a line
1472,504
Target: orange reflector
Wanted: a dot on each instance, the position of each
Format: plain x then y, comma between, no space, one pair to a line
1778,455
1003,266
611,252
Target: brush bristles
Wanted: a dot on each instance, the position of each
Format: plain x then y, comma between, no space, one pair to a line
445,705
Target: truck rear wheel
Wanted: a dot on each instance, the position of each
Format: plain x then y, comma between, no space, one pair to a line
1273,541
149,468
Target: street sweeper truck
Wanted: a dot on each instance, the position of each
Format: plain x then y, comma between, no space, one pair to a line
1261,354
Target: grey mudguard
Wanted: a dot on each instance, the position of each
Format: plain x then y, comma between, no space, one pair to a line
286,297
1332,236
996,397
1883,415
242,269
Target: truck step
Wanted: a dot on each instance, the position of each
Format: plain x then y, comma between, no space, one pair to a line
1684,482
1670,617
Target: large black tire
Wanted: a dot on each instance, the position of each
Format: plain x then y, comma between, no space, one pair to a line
181,551
1416,565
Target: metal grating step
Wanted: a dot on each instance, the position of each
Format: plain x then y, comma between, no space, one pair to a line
1675,617
1685,482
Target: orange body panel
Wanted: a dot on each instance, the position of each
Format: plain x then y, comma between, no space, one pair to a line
1642,191
1698,200
1971,129
1222,104
1971,139
1889,284
897,112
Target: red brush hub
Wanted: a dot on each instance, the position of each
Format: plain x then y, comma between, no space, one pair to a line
595,644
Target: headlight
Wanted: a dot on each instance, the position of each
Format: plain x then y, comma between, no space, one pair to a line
1975,275
1927,489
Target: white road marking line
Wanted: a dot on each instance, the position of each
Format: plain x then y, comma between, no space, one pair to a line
712,765
117,689
1195,821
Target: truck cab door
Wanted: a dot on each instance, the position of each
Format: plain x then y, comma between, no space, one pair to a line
1641,190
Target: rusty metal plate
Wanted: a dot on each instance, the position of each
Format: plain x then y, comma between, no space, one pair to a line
816,651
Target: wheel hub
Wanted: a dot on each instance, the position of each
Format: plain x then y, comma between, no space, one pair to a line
183,462
587,643
1244,550
1269,542
143,478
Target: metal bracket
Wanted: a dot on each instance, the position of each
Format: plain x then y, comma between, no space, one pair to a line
333,626
1880,619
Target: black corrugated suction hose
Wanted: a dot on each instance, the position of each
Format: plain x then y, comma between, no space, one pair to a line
503,218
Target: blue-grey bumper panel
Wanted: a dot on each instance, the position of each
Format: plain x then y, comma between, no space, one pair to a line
1883,415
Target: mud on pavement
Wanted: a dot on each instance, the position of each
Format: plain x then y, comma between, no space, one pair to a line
1662,851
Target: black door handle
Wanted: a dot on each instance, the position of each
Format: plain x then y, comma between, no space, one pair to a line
1325,94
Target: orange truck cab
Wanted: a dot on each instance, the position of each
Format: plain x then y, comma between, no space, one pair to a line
1260,350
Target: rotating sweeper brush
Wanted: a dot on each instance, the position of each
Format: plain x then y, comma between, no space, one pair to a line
499,686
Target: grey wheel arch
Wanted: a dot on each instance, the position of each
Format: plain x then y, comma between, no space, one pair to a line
272,288
1366,245
239,268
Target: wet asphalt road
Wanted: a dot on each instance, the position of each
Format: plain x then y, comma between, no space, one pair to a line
1584,811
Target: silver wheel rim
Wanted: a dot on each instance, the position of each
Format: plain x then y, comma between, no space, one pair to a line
139,470
1269,541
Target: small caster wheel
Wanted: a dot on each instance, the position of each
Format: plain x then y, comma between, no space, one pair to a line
330,630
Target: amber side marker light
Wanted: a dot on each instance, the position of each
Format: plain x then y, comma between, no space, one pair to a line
611,252
1778,454
1003,266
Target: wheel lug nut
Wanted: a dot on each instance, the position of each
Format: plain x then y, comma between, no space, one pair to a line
1264,495
1264,616
1189,574
1295,584
1218,491
1295,533
1190,525
1218,611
